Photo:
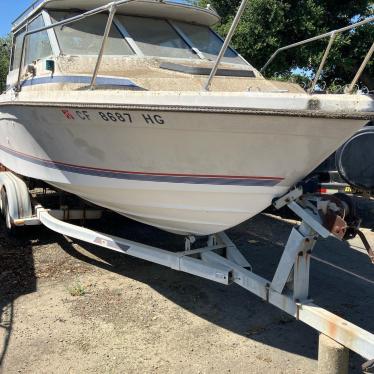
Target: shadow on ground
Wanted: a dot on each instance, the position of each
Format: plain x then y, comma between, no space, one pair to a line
17,277
260,239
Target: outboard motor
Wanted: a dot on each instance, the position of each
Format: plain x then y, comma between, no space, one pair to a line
355,160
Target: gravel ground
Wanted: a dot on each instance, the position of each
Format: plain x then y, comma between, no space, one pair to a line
69,307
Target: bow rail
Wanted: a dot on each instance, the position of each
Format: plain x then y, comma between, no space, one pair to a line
332,35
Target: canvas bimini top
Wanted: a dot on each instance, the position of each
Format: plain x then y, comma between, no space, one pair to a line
175,10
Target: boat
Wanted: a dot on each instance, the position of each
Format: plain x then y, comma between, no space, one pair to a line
141,108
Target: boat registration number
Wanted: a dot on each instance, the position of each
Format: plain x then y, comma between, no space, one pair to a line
105,116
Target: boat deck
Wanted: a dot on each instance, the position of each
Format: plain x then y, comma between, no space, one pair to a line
148,74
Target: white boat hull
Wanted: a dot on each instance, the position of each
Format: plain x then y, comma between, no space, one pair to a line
189,172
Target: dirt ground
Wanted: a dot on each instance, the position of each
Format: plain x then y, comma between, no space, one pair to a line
69,307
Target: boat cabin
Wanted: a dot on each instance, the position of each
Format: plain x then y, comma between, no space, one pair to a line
152,45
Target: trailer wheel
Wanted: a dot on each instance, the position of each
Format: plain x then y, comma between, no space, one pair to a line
2,197
11,230
15,201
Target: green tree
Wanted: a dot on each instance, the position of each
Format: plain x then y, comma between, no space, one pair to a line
4,60
269,24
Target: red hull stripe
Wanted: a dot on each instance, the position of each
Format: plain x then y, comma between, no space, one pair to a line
138,175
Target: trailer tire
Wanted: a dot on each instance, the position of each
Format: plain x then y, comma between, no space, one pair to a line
2,201
15,201
10,228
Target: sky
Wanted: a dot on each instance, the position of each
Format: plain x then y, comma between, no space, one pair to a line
9,10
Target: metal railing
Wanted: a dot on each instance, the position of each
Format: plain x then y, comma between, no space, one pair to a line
332,35
226,43
111,7
23,16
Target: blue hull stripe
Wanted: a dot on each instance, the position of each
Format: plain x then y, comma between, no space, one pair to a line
149,177
78,79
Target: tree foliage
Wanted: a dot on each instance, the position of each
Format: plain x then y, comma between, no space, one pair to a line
269,24
4,61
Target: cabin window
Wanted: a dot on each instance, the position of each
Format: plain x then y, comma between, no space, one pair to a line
84,37
38,45
208,43
156,37
17,48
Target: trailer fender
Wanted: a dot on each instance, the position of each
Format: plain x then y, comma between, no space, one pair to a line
17,194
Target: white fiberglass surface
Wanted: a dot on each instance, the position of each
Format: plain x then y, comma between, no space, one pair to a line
84,37
155,37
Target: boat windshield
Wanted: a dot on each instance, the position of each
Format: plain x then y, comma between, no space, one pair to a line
156,37
85,36
208,42
37,45
153,37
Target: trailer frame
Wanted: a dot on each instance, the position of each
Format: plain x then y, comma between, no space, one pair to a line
222,262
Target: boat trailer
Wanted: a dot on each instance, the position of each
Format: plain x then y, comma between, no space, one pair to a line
220,260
